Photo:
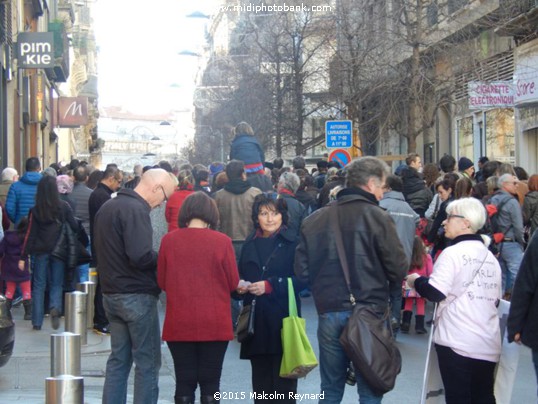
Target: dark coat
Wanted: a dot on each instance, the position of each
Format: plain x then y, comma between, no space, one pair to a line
42,236
124,245
523,316
247,149
10,251
374,252
296,211
415,191
98,197
273,307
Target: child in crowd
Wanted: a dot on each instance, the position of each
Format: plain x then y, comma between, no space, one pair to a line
421,263
10,252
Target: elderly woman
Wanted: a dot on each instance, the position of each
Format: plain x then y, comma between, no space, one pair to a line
288,184
267,261
466,282
198,282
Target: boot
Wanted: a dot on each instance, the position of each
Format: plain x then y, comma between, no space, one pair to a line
208,400
27,309
406,321
419,325
9,302
184,400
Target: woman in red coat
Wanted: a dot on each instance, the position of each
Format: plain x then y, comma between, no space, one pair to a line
198,271
184,189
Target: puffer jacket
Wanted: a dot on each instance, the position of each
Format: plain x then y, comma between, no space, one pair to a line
416,194
247,149
21,196
374,252
530,210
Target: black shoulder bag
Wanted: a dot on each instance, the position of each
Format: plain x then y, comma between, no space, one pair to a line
245,321
367,339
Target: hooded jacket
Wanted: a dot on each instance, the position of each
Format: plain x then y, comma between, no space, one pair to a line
374,252
247,149
415,191
405,219
21,196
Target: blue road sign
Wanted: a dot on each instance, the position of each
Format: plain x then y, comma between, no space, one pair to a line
338,134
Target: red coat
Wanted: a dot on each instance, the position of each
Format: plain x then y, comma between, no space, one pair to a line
198,271
174,205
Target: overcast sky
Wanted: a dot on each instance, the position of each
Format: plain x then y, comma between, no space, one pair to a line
138,62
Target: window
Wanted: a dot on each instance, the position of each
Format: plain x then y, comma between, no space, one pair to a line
432,14
455,5
500,138
465,137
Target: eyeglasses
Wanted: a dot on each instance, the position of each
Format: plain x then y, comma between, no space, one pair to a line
515,183
164,194
450,216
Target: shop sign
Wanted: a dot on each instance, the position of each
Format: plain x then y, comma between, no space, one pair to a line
493,94
526,80
72,112
35,50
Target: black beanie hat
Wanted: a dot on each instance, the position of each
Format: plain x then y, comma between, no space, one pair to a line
464,163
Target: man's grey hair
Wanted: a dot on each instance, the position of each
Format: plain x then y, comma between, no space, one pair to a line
289,181
359,171
8,174
504,178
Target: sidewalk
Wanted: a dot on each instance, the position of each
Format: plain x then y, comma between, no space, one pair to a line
22,379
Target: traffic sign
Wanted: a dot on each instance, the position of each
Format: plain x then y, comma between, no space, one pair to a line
338,134
341,156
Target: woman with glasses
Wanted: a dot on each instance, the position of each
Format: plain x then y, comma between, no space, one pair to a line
445,190
466,282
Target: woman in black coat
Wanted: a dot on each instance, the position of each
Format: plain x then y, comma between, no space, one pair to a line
45,224
267,262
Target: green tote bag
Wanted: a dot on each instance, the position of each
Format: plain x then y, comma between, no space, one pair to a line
298,357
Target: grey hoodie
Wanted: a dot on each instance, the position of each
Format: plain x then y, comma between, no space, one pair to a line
405,218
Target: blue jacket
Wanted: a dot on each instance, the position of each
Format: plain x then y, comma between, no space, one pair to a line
247,149
21,196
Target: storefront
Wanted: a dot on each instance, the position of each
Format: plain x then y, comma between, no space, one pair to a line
526,105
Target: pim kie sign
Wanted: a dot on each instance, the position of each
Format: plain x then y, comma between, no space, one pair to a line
72,112
35,50
494,94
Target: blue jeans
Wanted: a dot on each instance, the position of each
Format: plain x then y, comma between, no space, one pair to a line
510,260
48,271
333,361
83,271
134,336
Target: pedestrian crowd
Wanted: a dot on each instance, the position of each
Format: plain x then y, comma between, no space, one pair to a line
217,244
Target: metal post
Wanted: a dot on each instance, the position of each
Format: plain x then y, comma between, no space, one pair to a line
65,354
92,275
64,389
89,289
75,314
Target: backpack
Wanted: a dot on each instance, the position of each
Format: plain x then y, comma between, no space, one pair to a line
492,227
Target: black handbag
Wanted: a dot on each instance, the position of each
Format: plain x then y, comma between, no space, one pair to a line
367,337
69,248
245,322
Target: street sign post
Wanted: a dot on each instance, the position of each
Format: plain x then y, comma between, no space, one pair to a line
338,134
341,156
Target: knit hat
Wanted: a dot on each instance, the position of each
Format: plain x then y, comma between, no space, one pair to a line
65,184
464,163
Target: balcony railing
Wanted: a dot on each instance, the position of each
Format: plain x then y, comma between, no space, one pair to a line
60,71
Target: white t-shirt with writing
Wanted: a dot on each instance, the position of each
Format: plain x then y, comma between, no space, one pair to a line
467,321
